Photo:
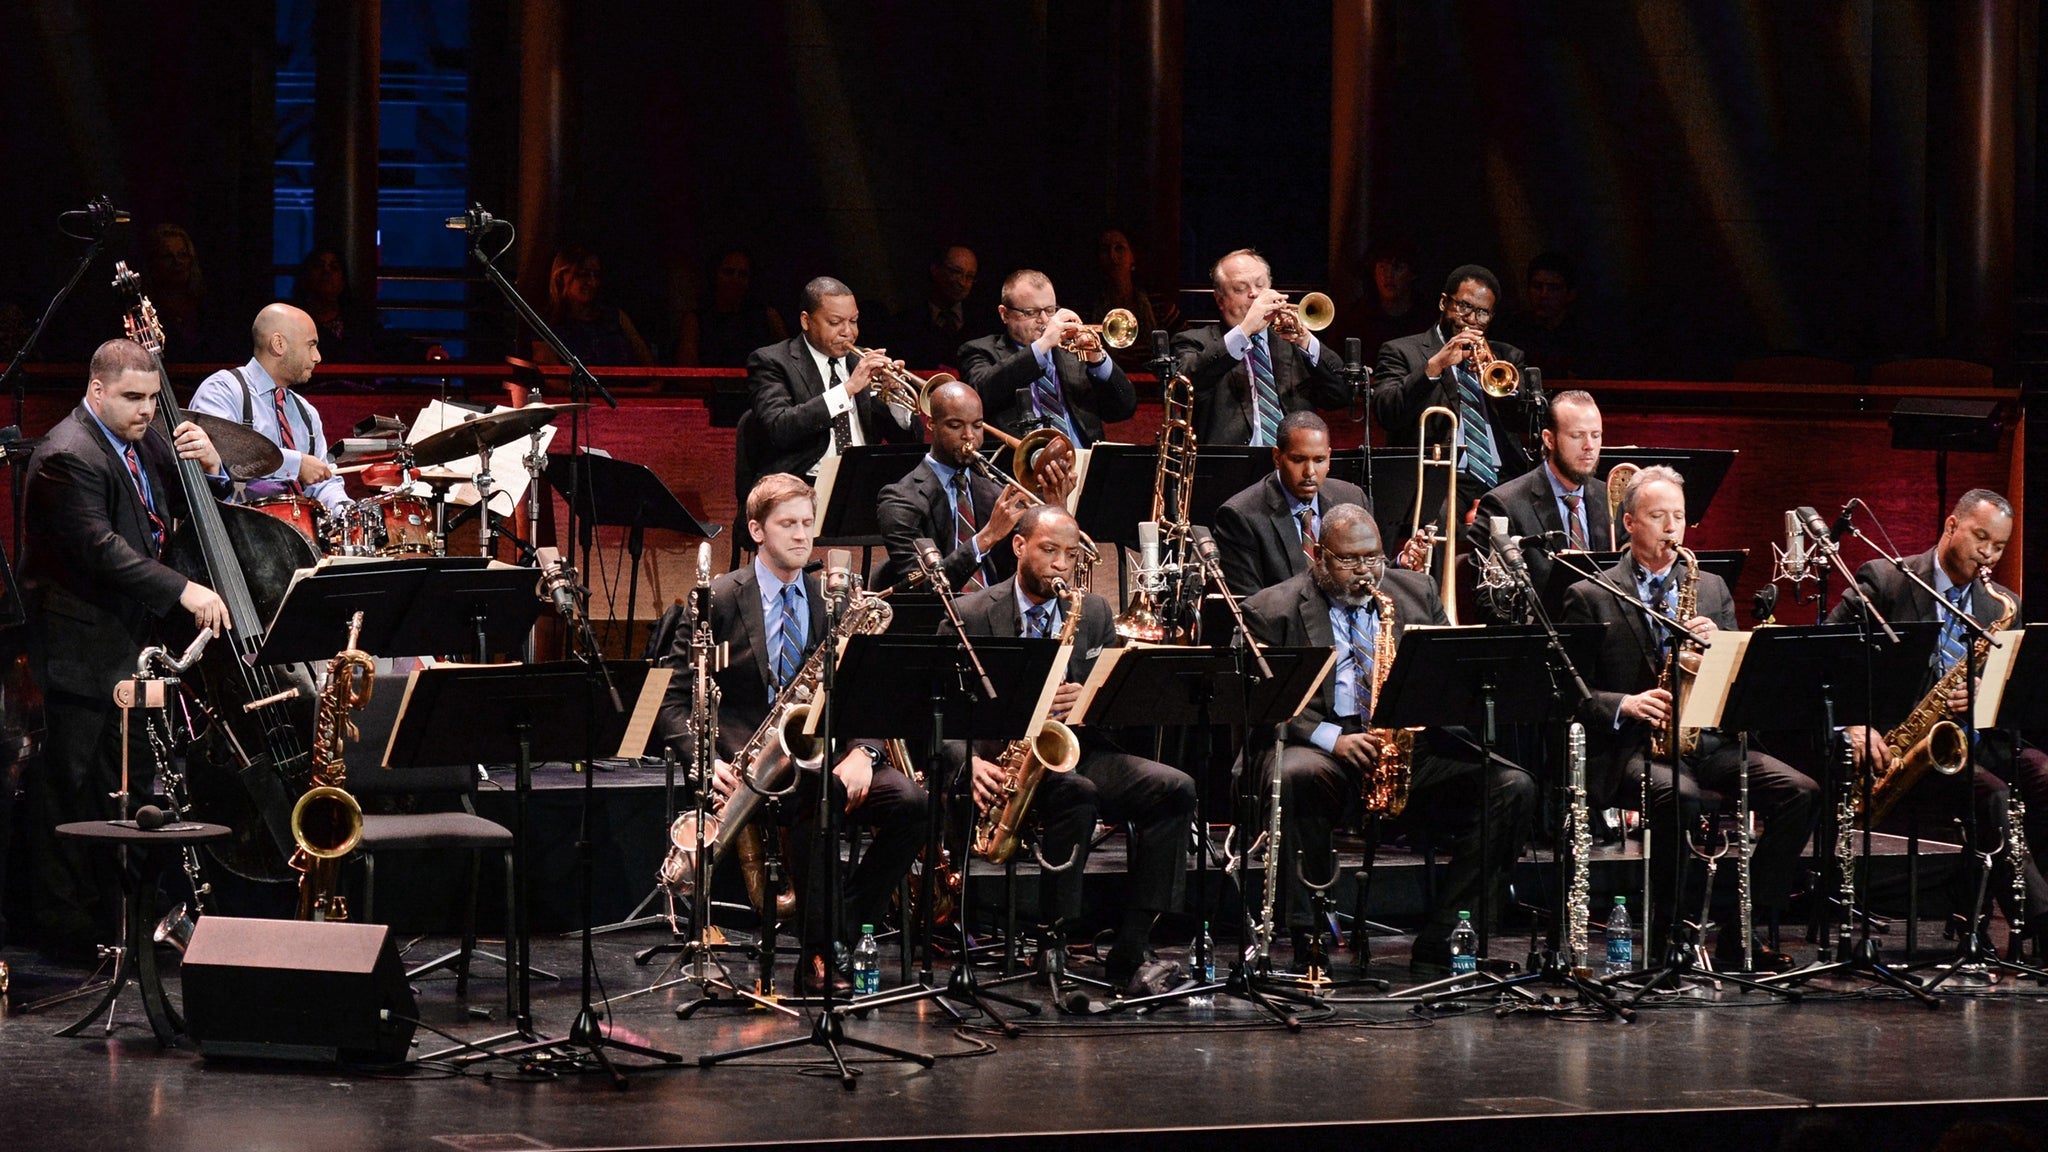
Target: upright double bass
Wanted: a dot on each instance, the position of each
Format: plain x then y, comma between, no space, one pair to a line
254,756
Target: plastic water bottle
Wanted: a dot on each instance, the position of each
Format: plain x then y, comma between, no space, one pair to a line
1621,952
867,963
1464,946
1202,966
1207,973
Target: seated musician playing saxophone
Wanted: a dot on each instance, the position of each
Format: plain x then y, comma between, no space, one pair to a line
771,614
1959,566
1343,600
1107,783
1629,704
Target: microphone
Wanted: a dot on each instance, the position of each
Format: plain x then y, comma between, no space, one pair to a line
931,561
838,577
557,581
475,220
1354,356
1816,528
1205,545
149,818
1547,541
1763,606
100,213
1510,552
1148,551
1792,561
1843,522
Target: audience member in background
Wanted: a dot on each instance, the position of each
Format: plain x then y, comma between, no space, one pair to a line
1390,307
1117,287
929,334
593,328
1548,333
725,330
175,284
349,330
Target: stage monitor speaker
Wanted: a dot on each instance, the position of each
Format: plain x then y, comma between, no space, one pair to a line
297,990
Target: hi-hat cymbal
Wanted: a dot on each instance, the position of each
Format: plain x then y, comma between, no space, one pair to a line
245,454
479,434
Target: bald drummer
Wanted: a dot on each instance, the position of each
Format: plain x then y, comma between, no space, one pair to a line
259,395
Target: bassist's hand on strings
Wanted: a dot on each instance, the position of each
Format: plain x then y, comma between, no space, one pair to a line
194,444
207,608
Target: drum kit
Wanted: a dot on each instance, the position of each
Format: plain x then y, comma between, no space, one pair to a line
400,520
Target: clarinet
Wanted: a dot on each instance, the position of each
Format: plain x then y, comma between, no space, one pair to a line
1273,858
1578,901
1745,847
1845,852
2018,855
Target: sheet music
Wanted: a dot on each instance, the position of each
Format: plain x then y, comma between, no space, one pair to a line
828,472
1081,458
509,477
1997,673
1716,675
640,725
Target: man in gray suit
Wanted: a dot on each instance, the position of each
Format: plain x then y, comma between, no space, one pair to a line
1628,704
1330,752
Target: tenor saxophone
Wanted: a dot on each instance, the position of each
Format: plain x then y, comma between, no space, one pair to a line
327,823
1927,739
1025,761
1688,664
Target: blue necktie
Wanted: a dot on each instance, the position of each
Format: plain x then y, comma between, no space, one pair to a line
1355,630
1038,621
1050,406
1482,461
1265,393
1653,595
1951,648
783,640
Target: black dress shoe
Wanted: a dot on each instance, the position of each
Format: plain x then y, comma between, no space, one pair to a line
1155,977
814,975
1763,958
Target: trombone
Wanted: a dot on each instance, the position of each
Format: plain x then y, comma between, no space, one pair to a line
1445,456
1119,329
903,388
1090,556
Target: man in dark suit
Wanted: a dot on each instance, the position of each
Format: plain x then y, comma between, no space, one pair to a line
811,396
771,615
929,333
1265,532
1109,783
928,502
1258,363
1958,568
1627,705
102,497
1027,380
1439,367
1563,498
1329,751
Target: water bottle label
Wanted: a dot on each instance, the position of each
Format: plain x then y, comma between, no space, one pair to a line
1620,950
867,981
1463,962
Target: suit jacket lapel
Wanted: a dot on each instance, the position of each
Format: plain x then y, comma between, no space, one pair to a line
754,622
1923,605
1624,574
128,499
807,368
1548,518
1002,616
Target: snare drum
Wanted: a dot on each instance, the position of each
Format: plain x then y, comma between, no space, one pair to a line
355,529
301,512
408,525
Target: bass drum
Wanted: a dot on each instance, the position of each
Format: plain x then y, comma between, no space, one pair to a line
303,513
269,550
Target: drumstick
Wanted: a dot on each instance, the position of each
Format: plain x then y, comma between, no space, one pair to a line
353,468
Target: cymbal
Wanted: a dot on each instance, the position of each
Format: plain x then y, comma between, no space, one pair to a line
245,454
478,434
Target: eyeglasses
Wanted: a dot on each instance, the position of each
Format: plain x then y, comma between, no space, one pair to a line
1471,311
1045,313
1376,563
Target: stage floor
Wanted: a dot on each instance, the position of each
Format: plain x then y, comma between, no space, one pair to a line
1875,1070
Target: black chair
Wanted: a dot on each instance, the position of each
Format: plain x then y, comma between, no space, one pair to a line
746,451
452,826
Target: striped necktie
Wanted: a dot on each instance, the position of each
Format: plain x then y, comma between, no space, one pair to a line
1038,621
1482,459
783,640
1952,648
1355,630
1574,531
285,438
1306,516
1051,406
963,524
156,524
1265,393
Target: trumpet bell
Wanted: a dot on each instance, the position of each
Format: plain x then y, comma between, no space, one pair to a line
1317,311
1500,379
1120,328
1038,447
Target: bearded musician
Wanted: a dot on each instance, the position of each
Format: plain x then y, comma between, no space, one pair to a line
1330,752
1958,568
1629,704
771,615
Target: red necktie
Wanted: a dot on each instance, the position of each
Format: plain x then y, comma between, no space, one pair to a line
156,526
285,439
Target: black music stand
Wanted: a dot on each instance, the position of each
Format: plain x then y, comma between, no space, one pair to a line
312,622
877,675
1393,490
1117,492
620,494
2023,706
846,515
1703,468
1820,679
1175,687
458,714
1478,678
1725,563
1941,425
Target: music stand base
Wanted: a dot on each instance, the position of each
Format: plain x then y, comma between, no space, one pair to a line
828,1031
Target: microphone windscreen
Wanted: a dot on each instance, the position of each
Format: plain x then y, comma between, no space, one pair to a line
149,817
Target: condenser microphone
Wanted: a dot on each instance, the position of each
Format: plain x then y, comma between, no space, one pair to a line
475,220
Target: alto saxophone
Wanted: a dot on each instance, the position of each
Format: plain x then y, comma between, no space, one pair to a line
1927,738
769,758
327,823
1053,748
1579,897
1688,664
1386,786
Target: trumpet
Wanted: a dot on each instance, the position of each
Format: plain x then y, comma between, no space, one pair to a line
1498,378
1313,313
1444,456
903,388
1119,329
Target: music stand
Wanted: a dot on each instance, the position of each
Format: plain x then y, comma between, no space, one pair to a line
1478,678
849,490
1822,678
1726,563
1172,687
2017,702
620,494
1703,468
1117,496
312,621
455,714
876,677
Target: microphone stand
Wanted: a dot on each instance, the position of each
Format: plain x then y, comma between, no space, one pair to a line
1679,962
581,382
944,587
1356,374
